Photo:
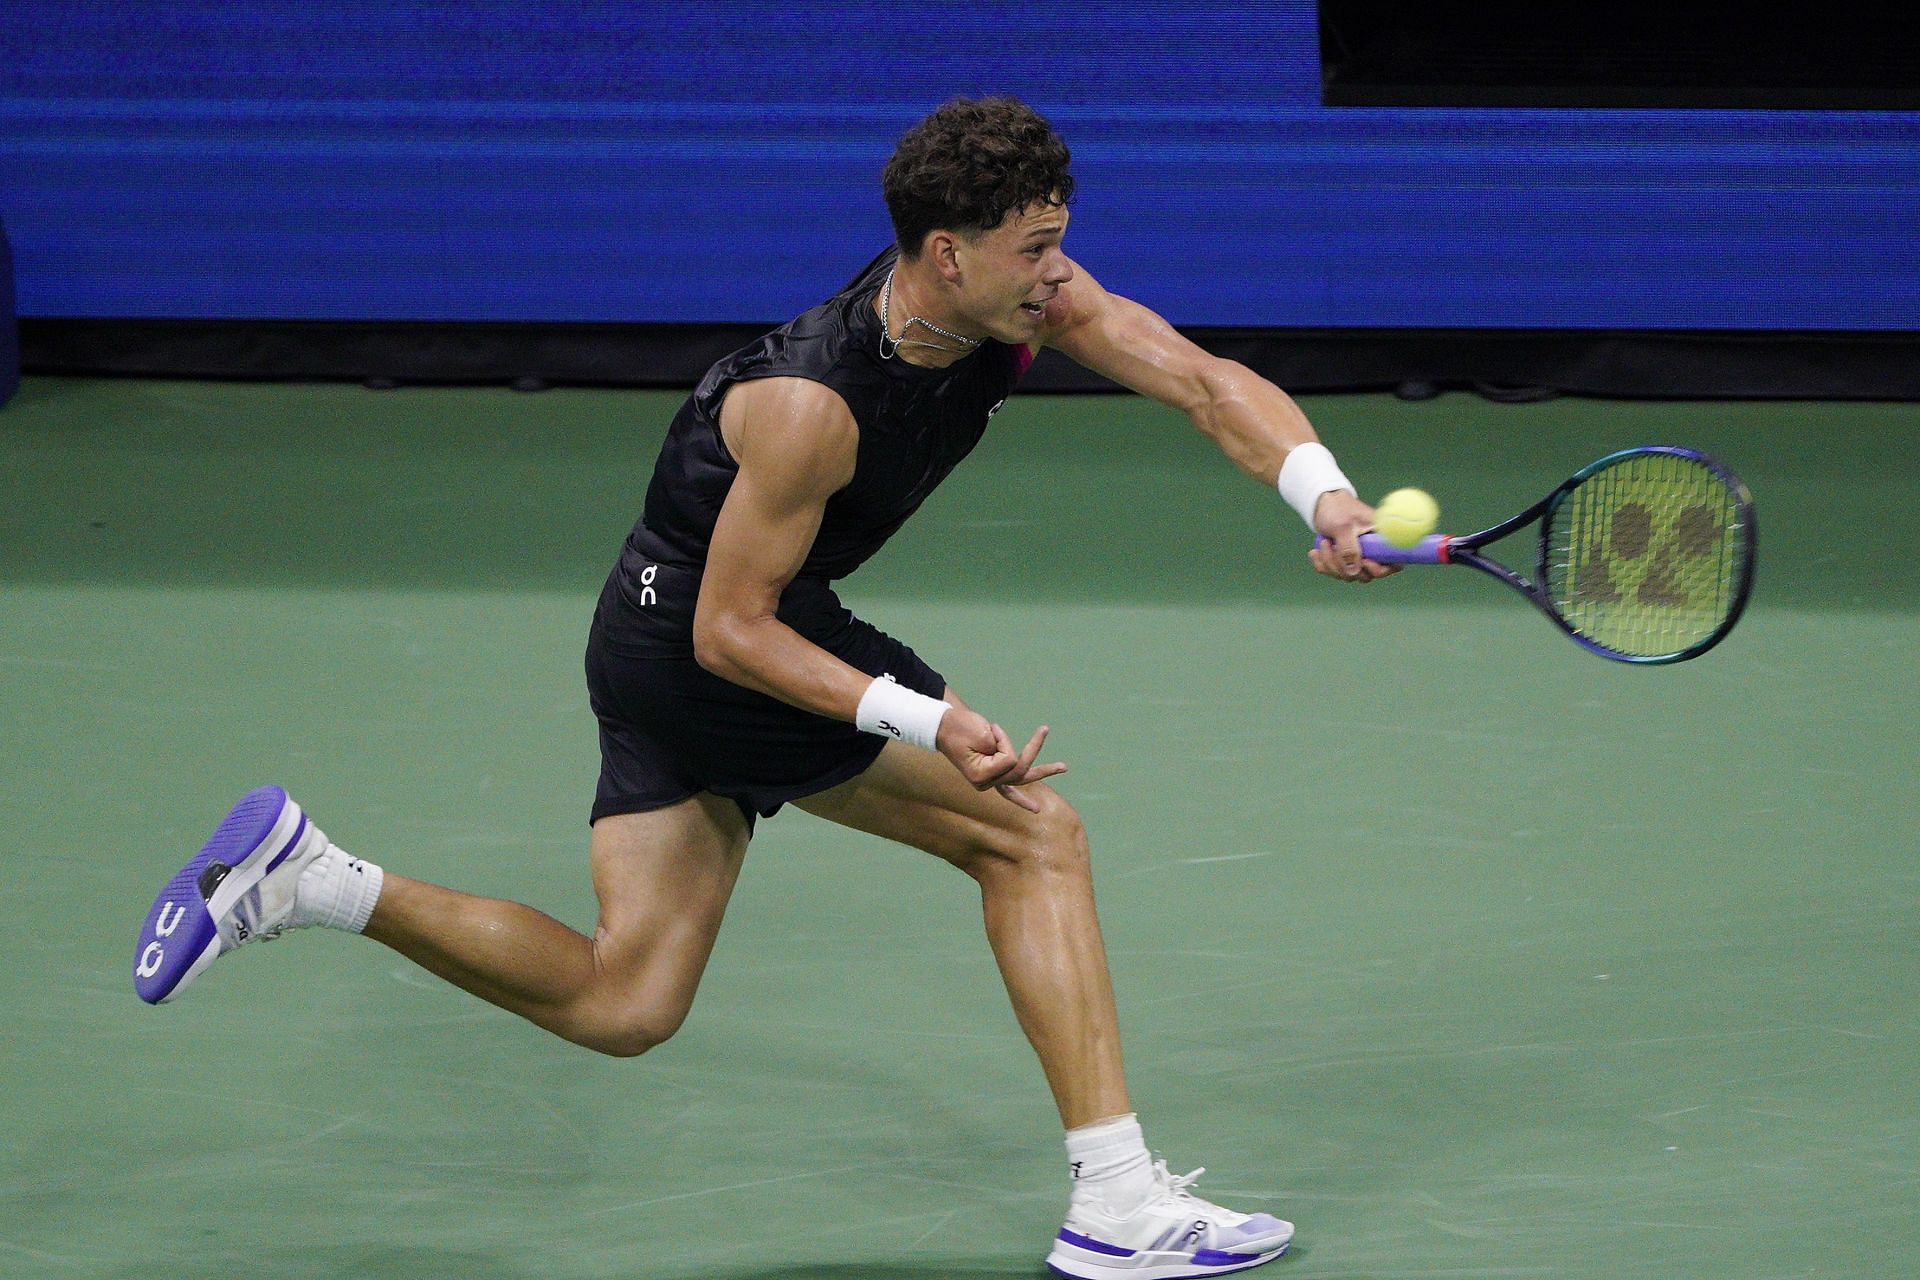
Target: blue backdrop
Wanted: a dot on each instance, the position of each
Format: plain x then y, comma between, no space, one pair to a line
600,161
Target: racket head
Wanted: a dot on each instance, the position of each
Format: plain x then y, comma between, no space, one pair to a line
1647,555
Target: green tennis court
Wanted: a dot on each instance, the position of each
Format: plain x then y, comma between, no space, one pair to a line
1469,952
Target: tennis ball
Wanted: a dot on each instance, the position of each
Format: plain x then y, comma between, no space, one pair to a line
1405,516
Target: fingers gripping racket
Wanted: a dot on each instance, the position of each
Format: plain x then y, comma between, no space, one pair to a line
1645,556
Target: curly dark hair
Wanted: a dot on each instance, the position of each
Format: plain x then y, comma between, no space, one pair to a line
970,164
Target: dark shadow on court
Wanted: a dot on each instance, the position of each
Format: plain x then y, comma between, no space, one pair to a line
1093,498
353,1262
919,1269
916,1270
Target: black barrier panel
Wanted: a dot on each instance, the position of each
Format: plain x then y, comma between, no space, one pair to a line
9,329
1719,54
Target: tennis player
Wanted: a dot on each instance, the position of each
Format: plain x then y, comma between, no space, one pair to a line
728,680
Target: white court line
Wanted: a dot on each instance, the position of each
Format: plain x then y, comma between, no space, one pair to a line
243,1099
44,1257
327,1132
1226,857
938,1223
744,1186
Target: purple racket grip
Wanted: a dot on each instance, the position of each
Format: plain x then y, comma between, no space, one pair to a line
1431,549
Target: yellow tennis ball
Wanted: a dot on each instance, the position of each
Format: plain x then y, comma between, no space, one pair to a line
1405,516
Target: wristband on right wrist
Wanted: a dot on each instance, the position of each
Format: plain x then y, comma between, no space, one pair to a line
1308,472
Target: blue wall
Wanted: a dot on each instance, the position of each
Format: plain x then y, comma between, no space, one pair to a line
601,161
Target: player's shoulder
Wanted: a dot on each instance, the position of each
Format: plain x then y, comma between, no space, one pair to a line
786,421
788,403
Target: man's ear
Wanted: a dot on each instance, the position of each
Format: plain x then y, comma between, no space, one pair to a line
943,249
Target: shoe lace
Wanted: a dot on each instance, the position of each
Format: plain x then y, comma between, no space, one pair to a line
1177,1184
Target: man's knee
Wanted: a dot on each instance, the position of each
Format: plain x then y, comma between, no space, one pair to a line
1052,841
630,1032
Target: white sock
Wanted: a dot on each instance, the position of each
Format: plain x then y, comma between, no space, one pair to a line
337,891
1110,1163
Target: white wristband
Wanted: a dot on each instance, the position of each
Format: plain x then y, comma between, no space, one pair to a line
1308,472
891,711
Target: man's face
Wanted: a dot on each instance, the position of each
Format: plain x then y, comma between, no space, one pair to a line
1008,275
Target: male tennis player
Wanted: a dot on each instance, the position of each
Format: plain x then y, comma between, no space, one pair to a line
728,680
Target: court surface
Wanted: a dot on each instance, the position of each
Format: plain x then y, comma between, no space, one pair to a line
1471,953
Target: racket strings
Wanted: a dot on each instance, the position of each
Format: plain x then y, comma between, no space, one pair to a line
1644,556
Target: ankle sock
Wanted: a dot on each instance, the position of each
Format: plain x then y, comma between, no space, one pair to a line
1110,1163
338,891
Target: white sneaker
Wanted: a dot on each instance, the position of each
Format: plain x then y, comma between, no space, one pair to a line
1174,1234
240,887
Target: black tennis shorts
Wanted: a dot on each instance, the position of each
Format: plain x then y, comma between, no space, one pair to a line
669,728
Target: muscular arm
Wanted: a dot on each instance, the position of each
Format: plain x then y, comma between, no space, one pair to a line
1255,423
795,443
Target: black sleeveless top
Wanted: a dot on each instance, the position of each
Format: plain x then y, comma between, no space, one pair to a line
915,424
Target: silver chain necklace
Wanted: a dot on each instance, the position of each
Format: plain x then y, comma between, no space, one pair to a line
889,347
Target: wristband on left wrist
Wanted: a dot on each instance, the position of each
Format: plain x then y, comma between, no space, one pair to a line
891,710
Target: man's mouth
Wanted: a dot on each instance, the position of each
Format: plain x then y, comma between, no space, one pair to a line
1036,308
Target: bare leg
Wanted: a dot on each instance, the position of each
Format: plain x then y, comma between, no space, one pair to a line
1036,889
663,880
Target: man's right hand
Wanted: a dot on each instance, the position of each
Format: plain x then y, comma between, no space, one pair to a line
1340,519
985,757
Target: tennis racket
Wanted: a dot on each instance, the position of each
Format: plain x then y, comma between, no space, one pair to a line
1645,556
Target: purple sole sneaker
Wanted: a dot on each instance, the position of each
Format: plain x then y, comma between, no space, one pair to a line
182,936
1081,1257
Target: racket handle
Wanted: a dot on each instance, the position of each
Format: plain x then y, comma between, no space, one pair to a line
1431,549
